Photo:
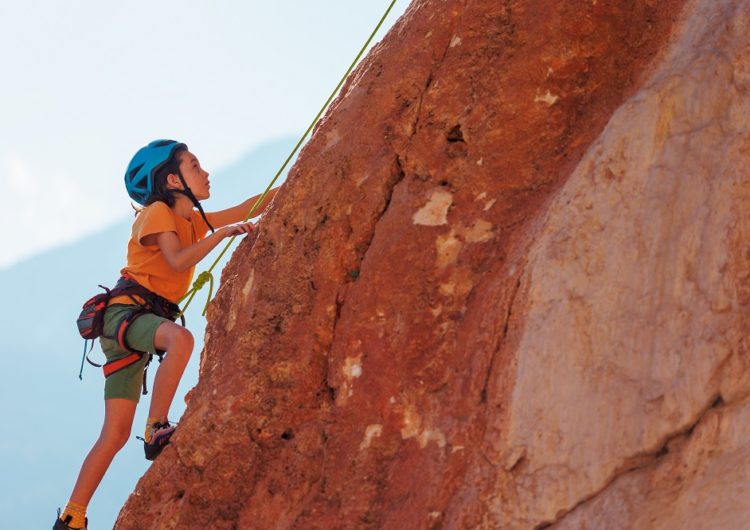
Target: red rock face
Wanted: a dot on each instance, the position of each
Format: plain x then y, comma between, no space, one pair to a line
360,355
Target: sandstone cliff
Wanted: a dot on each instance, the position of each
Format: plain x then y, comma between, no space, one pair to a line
505,286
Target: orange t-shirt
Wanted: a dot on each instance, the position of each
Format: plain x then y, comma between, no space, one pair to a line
146,264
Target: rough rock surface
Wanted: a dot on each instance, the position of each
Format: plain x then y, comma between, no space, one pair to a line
504,286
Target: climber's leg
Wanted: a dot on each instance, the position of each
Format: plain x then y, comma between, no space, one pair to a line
118,419
177,341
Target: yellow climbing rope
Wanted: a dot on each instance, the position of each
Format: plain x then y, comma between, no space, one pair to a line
207,276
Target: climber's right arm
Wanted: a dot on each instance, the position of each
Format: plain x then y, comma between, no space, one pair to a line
181,258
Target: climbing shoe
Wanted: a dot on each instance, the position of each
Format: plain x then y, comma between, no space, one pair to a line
160,435
63,525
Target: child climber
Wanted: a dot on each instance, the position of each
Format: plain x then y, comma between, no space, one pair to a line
166,242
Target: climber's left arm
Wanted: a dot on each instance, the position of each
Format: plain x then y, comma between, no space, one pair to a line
237,213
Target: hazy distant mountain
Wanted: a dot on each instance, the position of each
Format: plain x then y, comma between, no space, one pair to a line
51,418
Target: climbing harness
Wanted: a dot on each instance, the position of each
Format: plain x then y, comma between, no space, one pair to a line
207,276
91,323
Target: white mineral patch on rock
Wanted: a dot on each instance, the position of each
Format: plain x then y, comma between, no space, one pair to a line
479,232
412,428
353,367
448,247
332,138
431,435
412,424
548,97
248,284
232,316
435,212
372,431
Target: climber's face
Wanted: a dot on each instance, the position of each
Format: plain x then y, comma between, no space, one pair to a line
195,176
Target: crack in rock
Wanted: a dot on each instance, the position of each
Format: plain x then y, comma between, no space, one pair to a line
397,177
640,461
506,326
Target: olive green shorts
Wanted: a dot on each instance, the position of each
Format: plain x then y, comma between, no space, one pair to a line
126,383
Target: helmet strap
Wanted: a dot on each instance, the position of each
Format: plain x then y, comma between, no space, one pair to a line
187,191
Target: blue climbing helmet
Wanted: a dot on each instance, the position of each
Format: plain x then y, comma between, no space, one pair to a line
139,177
142,170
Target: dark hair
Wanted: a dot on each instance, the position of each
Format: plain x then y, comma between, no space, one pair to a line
160,191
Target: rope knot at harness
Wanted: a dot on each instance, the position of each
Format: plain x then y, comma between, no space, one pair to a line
203,278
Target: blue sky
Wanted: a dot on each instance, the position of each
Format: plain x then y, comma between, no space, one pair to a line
85,83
